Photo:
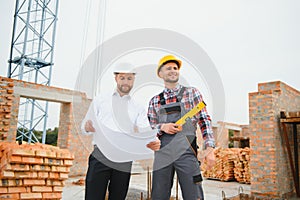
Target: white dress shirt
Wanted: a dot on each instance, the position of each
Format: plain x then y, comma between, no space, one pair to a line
118,113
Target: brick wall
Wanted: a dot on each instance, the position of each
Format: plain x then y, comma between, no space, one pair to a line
270,171
70,134
245,131
73,108
8,122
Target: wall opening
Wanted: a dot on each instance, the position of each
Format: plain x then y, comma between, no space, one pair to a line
33,119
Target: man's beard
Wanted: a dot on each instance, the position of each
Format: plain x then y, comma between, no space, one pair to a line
124,89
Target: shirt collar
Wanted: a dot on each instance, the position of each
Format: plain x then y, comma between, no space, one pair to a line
116,93
174,90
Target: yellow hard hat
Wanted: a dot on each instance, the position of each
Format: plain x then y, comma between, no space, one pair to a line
166,59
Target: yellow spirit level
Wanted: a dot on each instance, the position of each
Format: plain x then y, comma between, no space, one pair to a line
191,113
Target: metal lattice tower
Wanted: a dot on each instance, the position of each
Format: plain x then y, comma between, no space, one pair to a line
31,59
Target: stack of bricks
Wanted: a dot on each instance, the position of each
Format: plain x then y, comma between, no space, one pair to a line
6,98
33,171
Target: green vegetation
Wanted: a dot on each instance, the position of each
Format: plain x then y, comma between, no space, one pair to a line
230,136
51,135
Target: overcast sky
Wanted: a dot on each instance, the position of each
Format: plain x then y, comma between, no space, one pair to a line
248,41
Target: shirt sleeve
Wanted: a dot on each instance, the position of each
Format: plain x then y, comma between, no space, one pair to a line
153,118
83,131
142,120
204,121
86,118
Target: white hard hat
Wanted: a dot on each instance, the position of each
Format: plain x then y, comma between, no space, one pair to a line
124,68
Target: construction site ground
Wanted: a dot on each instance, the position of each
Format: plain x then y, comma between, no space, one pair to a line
138,183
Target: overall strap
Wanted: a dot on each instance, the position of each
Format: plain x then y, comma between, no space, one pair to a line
178,97
180,94
162,98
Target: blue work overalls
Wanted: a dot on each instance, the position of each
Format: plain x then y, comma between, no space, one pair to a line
177,153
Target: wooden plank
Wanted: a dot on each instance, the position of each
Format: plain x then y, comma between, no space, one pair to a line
290,120
284,114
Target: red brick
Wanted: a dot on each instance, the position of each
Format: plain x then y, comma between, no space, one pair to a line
41,189
64,154
17,167
9,97
16,189
54,168
43,175
22,152
45,153
6,174
4,182
60,169
63,169
10,84
11,182
40,168
10,196
31,196
54,175
68,162
63,175
10,91
57,189
50,161
15,159
25,174
54,182
3,190
32,160
7,116
54,195
34,182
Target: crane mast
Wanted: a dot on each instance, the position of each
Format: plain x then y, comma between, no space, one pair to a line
31,59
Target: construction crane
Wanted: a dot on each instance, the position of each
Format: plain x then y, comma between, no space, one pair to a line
31,59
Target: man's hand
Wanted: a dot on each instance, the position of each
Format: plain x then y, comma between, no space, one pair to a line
89,126
170,128
155,145
210,157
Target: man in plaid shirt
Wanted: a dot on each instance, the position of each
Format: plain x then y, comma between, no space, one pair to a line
178,150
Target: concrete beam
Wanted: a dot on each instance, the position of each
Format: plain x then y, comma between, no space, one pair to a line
39,94
235,128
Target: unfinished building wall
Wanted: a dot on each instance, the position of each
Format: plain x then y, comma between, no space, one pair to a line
9,108
73,108
70,136
270,171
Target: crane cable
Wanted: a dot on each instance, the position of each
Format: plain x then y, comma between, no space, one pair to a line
85,31
99,41
84,36
101,10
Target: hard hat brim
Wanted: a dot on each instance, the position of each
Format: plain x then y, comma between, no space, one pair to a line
178,62
126,68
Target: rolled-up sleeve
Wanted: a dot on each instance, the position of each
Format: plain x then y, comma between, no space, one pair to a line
204,121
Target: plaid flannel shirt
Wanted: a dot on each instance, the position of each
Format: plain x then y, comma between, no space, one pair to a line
191,97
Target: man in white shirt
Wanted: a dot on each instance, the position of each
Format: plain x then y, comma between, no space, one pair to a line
119,112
